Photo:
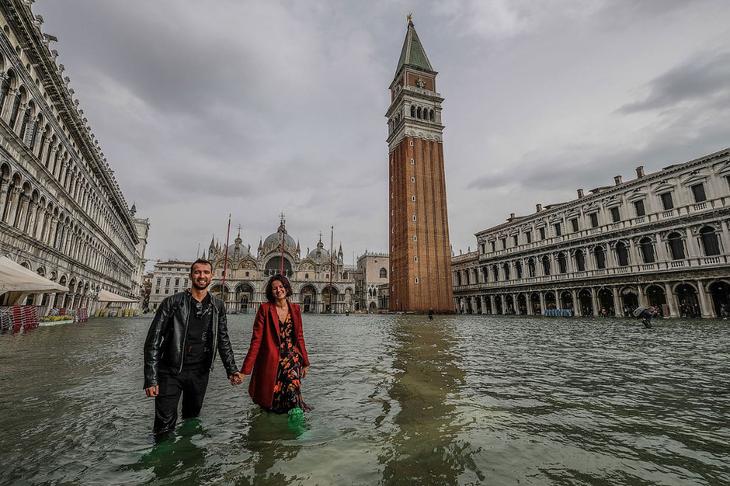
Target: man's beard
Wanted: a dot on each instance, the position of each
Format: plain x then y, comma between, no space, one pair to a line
199,287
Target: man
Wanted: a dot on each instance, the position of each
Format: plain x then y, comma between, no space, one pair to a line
645,314
188,330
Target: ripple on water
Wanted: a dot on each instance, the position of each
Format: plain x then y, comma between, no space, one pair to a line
397,399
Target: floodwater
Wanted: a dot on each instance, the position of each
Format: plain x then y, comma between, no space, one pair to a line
397,400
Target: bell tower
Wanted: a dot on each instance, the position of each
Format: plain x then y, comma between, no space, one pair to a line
420,253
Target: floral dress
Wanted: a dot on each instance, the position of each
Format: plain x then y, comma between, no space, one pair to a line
287,389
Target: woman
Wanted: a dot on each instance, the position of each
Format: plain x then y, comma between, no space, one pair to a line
277,358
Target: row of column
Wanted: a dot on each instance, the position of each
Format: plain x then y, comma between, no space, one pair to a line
705,304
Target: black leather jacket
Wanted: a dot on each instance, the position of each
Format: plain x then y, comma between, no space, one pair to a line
167,335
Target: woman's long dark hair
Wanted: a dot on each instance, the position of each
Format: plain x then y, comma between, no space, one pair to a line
270,292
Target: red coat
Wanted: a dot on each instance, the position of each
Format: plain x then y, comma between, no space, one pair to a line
262,359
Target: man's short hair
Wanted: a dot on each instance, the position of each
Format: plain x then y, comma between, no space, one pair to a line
204,262
270,291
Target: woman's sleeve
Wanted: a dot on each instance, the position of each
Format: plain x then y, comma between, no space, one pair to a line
256,337
300,338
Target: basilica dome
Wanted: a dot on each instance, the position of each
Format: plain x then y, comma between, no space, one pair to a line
319,254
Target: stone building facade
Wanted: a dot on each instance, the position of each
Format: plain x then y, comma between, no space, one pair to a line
62,213
420,253
660,239
370,276
320,283
168,277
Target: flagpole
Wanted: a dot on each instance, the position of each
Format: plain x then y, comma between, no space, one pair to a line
332,270
225,261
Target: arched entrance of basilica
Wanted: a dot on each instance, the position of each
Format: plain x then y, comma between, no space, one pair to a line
308,299
687,301
244,297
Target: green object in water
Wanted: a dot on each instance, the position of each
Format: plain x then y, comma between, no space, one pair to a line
296,413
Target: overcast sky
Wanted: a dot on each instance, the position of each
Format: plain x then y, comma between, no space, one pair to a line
209,107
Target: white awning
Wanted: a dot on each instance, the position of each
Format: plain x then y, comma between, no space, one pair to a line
17,278
106,296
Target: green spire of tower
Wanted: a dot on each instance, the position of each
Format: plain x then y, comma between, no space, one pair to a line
413,53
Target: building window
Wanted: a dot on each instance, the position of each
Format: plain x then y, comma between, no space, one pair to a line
413,198
647,250
667,202
600,257
413,161
505,268
157,290
615,215
562,263
518,269
516,240
415,258
167,291
622,254
492,244
414,218
531,267
482,248
542,233
177,282
676,246
574,224
639,207
558,231
504,243
580,261
383,273
167,281
709,241
413,179
727,178
159,280
495,273
528,236
416,279
698,191
176,290
415,238
594,220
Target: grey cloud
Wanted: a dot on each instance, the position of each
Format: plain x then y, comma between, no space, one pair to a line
701,77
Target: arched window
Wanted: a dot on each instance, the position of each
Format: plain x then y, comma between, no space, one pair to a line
505,267
562,263
622,254
647,250
676,246
495,273
531,267
16,107
518,269
600,257
430,115
546,265
418,113
5,88
709,241
580,261
458,278
383,273
413,111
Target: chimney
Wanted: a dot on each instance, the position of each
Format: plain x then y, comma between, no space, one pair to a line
580,193
538,208
640,172
617,180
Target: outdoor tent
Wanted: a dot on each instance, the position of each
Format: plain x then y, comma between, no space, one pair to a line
106,296
17,278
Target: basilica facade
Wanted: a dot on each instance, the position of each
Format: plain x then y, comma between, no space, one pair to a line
660,239
320,280
62,212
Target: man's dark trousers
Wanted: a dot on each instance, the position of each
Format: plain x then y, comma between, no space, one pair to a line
191,383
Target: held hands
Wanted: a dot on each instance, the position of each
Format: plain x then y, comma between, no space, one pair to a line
236,378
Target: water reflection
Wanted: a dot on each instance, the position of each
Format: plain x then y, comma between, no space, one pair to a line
272,440
426,448
177,457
